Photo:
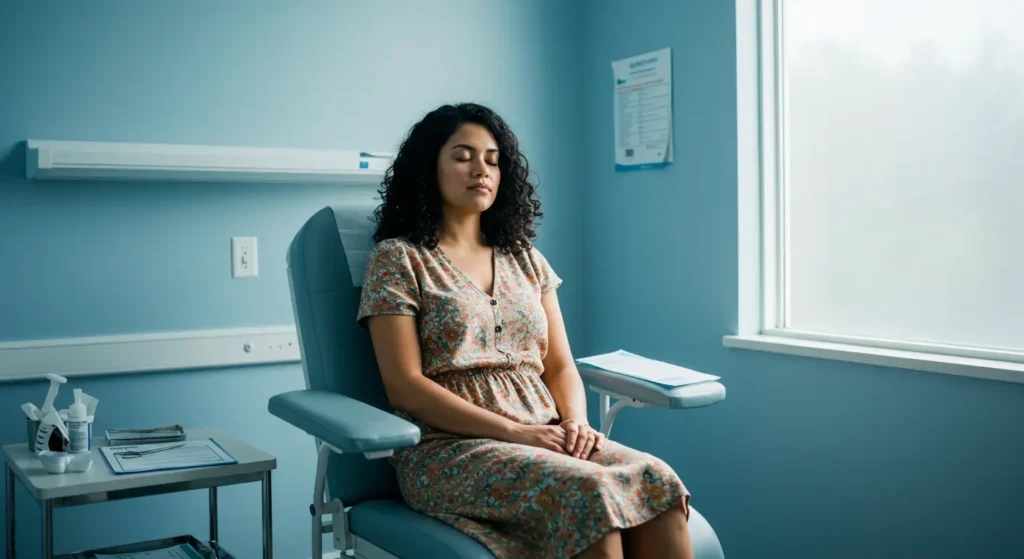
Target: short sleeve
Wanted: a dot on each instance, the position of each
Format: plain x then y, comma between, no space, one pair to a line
390,285
547,279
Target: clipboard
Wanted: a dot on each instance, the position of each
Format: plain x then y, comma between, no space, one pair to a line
198,453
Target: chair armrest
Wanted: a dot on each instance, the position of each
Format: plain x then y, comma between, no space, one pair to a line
342,422
678,397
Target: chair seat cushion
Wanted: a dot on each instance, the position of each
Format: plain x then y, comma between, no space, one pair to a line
703,539
402,532
405,533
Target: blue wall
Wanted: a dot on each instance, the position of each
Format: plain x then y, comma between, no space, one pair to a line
806,458
106,258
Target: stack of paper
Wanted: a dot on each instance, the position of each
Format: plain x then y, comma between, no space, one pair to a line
666,374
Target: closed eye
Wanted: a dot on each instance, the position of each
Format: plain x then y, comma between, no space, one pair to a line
463,153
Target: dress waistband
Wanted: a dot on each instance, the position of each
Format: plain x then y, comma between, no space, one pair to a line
458,374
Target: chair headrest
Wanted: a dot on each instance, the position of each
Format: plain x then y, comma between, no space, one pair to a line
352,219
356,231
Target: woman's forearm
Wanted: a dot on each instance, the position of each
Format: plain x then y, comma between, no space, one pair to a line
566,387
442,409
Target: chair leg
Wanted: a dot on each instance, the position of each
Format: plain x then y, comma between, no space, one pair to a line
318,538
320,507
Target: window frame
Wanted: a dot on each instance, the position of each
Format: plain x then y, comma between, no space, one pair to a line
763,216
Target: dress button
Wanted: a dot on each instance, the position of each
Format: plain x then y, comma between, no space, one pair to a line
493,302
497,328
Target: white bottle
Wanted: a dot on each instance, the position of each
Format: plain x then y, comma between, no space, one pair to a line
78,426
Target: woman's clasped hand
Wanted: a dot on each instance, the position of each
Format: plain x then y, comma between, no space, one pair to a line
572,437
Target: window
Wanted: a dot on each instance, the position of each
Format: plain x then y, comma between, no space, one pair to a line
891,167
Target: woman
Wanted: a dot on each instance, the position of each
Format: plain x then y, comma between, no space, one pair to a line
471,345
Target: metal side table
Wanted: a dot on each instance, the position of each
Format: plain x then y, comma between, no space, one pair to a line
100,484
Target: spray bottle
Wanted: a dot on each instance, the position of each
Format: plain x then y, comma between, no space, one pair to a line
51,395
78,425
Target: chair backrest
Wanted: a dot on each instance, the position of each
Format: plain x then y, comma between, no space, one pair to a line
326,262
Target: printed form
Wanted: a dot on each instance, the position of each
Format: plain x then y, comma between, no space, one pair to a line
629,364
165,456
643,111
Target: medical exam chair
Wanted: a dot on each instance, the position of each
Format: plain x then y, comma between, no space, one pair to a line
344,407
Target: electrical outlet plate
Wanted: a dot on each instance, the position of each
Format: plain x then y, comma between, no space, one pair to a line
244,260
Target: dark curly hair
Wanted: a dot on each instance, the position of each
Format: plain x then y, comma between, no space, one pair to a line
411,204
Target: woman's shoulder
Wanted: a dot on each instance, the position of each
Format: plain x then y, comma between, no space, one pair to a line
530,253
398,251
530,260
396,246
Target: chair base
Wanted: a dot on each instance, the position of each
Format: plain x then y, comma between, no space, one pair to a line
366,550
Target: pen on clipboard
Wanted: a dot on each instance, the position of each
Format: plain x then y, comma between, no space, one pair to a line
138,453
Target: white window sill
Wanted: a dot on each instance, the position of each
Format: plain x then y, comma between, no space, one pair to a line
1006,371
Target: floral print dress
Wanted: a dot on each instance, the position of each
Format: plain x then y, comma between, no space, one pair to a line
517,500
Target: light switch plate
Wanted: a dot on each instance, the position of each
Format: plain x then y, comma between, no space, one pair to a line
244,257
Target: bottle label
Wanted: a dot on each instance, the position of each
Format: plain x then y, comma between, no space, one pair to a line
80,434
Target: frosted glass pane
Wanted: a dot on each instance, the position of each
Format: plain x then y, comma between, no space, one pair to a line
905,122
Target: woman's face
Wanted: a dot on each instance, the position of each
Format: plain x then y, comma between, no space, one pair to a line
467,170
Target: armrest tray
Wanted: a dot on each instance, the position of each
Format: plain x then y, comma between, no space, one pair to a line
622,386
